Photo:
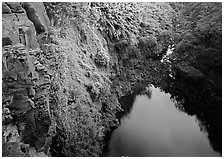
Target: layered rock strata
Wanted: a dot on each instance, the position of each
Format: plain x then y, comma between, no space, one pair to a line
25,82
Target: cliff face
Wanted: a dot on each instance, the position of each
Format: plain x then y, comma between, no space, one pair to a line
61,84
65,65
25,83
57,99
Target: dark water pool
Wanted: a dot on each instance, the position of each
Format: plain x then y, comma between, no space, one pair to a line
155,127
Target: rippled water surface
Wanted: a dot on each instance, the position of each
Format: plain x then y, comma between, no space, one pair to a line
155,127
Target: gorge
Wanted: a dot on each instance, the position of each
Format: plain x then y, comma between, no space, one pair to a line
71,72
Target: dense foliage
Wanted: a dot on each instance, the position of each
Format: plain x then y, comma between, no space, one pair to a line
120,20
61,13
198,43
199,38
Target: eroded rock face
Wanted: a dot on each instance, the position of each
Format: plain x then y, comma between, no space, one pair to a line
17,28
9,30
25,86
25,94
37,14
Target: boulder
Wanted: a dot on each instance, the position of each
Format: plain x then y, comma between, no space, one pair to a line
37,14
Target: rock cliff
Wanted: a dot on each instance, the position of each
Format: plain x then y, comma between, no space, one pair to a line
65,65
61,83
57,98
25,81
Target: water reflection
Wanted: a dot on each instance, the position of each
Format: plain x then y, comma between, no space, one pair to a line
127,101
154,127
200,99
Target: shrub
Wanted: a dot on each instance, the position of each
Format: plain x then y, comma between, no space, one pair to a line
147,45
94,90
148,41
119,20
101,58
60,13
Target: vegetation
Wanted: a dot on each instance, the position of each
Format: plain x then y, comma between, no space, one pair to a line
198,42
83,107
61,13
199,38
101,58
138,32
118,20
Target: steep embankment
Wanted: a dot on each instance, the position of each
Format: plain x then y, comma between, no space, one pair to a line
62,77
84,104
197,59
56,89
61,84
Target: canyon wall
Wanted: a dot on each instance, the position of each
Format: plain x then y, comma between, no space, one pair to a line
65,65
25,81
57,99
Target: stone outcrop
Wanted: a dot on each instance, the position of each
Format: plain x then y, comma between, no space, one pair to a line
17,28
37,14
25,85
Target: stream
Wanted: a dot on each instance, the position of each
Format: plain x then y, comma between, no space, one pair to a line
154,126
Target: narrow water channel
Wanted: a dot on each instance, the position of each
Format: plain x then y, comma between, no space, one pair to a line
155,127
